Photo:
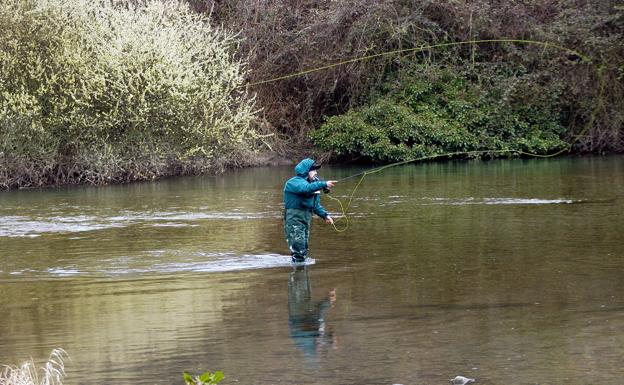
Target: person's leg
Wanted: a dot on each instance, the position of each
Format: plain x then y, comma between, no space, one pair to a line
296,229
307,234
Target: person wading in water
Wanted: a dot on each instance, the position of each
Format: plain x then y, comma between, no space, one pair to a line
302,197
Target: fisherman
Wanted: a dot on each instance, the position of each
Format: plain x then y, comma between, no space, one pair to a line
302,197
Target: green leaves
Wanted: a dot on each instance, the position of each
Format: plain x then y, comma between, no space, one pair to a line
434,111
205,378
188,378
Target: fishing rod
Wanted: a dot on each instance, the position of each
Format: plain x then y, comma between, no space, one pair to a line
456,153
363,174
448,154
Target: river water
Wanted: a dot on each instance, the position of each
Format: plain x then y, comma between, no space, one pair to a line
506,271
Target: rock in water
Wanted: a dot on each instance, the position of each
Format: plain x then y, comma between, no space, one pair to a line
461,380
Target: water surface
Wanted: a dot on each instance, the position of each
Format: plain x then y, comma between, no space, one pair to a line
510,272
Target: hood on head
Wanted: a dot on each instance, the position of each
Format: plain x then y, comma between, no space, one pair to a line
304,167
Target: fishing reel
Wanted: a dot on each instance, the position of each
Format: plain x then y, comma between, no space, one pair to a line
326,190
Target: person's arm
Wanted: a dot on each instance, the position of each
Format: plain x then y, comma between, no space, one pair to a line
302,186
319,209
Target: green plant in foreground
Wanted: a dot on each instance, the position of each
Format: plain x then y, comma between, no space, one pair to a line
206,378
52,372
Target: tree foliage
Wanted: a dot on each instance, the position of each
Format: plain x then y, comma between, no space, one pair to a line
108,91
120,90
284,37
432,112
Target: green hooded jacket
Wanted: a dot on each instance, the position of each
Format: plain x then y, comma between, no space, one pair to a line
301,194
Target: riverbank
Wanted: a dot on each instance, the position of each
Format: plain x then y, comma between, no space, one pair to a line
174,89
20,175
161,170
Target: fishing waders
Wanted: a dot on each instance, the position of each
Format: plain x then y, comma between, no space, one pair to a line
297,231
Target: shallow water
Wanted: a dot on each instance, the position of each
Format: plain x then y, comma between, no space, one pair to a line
510,272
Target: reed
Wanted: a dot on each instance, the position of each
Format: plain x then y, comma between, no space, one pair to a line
51,373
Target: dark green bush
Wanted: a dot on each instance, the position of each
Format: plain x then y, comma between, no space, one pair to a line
289,37
435,111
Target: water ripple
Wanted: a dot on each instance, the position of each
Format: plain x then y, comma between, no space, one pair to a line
34,226
162,262
497,201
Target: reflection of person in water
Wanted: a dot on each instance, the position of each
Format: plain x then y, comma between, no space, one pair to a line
306,319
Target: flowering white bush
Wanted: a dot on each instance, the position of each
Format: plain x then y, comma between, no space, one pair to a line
99,91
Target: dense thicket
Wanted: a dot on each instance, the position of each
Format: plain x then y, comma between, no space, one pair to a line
105,91
290,36
121,90
433,112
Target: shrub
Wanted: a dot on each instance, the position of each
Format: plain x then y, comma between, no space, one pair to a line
433,111
109,91
289,37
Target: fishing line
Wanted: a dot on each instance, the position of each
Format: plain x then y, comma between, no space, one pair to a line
421,48
344,209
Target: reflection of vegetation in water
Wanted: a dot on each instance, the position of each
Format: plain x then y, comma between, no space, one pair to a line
52,372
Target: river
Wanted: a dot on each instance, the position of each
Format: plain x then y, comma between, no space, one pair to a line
506,271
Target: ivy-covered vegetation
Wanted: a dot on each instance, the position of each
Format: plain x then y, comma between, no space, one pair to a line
282,37
432,111
105,91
